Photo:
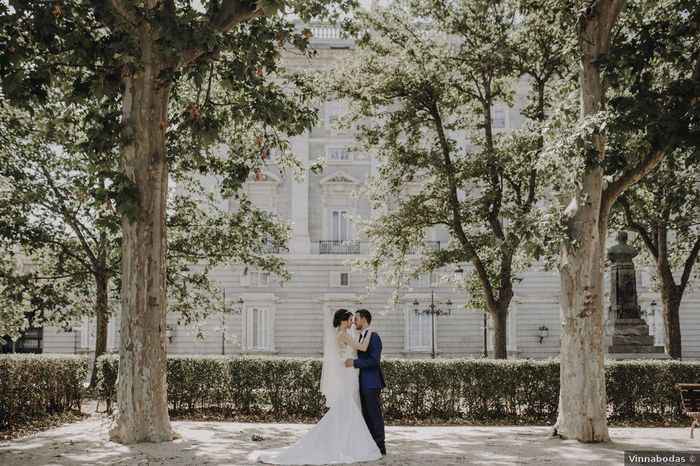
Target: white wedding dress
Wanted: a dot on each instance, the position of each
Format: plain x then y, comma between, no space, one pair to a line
341,436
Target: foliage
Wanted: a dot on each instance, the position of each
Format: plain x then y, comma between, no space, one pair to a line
33,386
663,210
423,90
417,390
72,238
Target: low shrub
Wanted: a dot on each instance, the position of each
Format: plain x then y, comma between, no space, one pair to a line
452,390
35,386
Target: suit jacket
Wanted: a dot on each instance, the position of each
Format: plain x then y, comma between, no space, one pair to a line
369,363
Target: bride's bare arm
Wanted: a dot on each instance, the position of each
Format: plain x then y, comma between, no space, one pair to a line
357,345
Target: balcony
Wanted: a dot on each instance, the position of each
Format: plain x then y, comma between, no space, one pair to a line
326,35
339,247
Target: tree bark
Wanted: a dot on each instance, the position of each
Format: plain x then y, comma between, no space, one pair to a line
671,297
142,387
582,397
101,322
500,332
671,300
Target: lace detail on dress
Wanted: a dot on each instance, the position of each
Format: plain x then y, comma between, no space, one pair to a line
345,351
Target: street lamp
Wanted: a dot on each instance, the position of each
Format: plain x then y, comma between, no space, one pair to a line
433,310
459,272
235,310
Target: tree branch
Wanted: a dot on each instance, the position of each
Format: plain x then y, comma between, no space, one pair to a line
689,264
72,221
628,178
456,214
125,13
639,228
232,13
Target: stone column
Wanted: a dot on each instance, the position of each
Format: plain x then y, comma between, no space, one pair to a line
300,242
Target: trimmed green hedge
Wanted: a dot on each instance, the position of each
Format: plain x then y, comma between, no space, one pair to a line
34,386
418,390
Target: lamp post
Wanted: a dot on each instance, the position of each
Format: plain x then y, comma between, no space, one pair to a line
433,310
234,310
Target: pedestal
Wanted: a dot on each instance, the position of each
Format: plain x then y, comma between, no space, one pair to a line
631,336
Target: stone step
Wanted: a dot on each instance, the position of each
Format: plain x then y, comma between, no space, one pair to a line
637,356
636,320
633,340
648,349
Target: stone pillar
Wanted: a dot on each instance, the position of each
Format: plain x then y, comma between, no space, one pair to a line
631,332
300,242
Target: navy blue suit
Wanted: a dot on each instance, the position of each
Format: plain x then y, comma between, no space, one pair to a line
371,384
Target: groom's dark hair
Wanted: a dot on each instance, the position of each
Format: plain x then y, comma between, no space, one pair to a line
365,313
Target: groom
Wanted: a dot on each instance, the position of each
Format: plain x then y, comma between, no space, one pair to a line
371,378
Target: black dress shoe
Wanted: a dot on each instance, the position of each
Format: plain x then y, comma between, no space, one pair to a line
383,452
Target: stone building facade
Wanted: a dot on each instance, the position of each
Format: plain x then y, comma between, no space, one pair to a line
286,318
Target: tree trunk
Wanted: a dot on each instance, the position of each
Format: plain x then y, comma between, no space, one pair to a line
672,325
142,387
582,398
671,294
101,322
671,297
500,332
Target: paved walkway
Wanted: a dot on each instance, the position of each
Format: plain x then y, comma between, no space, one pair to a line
224,443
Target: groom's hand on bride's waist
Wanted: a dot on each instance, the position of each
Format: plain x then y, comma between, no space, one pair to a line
348,363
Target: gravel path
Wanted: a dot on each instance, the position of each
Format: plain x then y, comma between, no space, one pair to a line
226,443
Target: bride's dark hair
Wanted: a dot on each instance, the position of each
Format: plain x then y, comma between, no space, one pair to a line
340,316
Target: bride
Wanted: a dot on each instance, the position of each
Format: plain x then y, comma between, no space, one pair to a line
341,436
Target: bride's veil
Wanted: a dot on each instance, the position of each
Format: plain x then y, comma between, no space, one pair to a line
332,366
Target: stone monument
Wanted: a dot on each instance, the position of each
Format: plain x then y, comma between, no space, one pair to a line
631,332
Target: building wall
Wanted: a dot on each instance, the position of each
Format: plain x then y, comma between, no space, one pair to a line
300,306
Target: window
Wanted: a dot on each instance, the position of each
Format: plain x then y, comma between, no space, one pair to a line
256,278
258,329
419,331
340,226
338,154
333,112
339,279
498,119
31,341
424,280
263,278
87,334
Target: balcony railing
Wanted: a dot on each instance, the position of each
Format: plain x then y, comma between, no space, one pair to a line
339,247
328,34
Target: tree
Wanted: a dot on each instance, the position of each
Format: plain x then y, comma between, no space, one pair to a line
423,89
654,87
664,210
606,172
140,52
72,235
70,232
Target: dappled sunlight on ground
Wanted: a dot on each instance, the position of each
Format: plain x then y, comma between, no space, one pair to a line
225,443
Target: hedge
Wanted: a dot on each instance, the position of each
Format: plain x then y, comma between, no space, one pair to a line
34,386
453,390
